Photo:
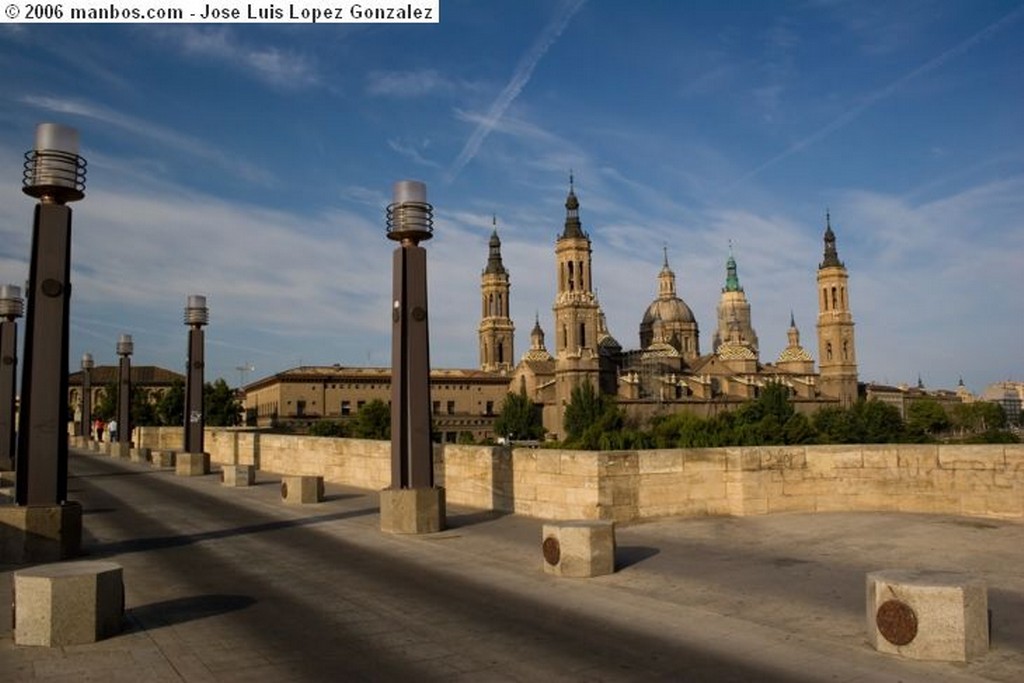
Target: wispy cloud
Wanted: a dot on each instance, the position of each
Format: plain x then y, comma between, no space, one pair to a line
521,76
406,84
873,98
282,68
152,132
410,151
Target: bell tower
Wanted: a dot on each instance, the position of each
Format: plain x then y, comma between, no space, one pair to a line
577,312
837,355
496,328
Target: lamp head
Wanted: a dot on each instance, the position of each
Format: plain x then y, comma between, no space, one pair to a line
11,304
196,312
125,347
410,217
54,172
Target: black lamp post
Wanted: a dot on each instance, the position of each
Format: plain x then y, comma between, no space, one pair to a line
55,175
196,315
12,307
125,347
412,504
87,366
410,221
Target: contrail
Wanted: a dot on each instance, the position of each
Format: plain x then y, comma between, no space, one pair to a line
523,72
882,93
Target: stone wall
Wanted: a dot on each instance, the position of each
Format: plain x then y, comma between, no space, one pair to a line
983,480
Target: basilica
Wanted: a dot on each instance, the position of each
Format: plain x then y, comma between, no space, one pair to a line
668,372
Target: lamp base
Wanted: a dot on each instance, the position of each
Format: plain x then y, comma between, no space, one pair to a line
44,533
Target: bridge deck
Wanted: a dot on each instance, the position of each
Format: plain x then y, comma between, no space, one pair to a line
229,584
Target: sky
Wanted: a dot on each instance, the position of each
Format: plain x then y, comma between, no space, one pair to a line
253,164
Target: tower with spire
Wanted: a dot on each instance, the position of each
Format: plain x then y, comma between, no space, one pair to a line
734,311
576,309
496,331
837,355
669,319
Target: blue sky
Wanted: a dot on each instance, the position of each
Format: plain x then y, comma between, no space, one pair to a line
252,164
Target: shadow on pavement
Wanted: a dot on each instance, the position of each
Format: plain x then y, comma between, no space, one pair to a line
159,542
180,610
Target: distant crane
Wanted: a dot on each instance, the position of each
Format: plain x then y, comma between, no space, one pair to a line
244,370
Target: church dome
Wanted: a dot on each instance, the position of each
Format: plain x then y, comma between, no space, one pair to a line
666,310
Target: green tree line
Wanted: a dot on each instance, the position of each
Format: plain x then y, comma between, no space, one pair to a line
220,407
596,422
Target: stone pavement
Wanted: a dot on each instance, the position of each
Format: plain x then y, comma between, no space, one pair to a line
229,584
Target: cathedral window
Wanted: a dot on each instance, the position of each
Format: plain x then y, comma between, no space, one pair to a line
583,335
828,350
501,352
846,350
833,298
572,281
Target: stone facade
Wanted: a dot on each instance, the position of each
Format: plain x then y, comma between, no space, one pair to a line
462,400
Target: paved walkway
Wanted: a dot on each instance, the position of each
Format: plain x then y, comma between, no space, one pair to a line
228,584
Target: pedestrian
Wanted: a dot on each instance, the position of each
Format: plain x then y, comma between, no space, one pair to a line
99,429
112,430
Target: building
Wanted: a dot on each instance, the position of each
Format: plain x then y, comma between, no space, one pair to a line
1009,395
668,373
463,401
151,380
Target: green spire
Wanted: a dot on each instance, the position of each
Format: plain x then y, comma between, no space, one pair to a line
732,280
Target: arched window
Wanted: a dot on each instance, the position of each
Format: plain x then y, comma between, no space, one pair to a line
572,282
501,352
833,298
828,350
583,335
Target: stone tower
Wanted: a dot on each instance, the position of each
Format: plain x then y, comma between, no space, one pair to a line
734,311
668,319
496,328
837,356
577,313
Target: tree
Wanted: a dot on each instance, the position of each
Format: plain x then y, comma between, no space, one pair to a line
106,403
519,418
170,409
926,416
585,409
221,408
373,421
326,428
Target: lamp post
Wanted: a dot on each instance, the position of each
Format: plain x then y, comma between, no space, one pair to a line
12,307
87,366
55,175
125,347
196,315
412,504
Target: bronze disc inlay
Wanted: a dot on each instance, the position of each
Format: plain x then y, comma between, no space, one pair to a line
552,551
896,622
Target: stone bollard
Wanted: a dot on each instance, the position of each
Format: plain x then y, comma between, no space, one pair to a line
579,548
931,615
237,475
298,490
162,458
139,455
68,603
192,464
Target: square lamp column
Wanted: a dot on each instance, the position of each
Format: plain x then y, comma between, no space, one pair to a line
412,504
43,525
12,307
125,348
194,461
